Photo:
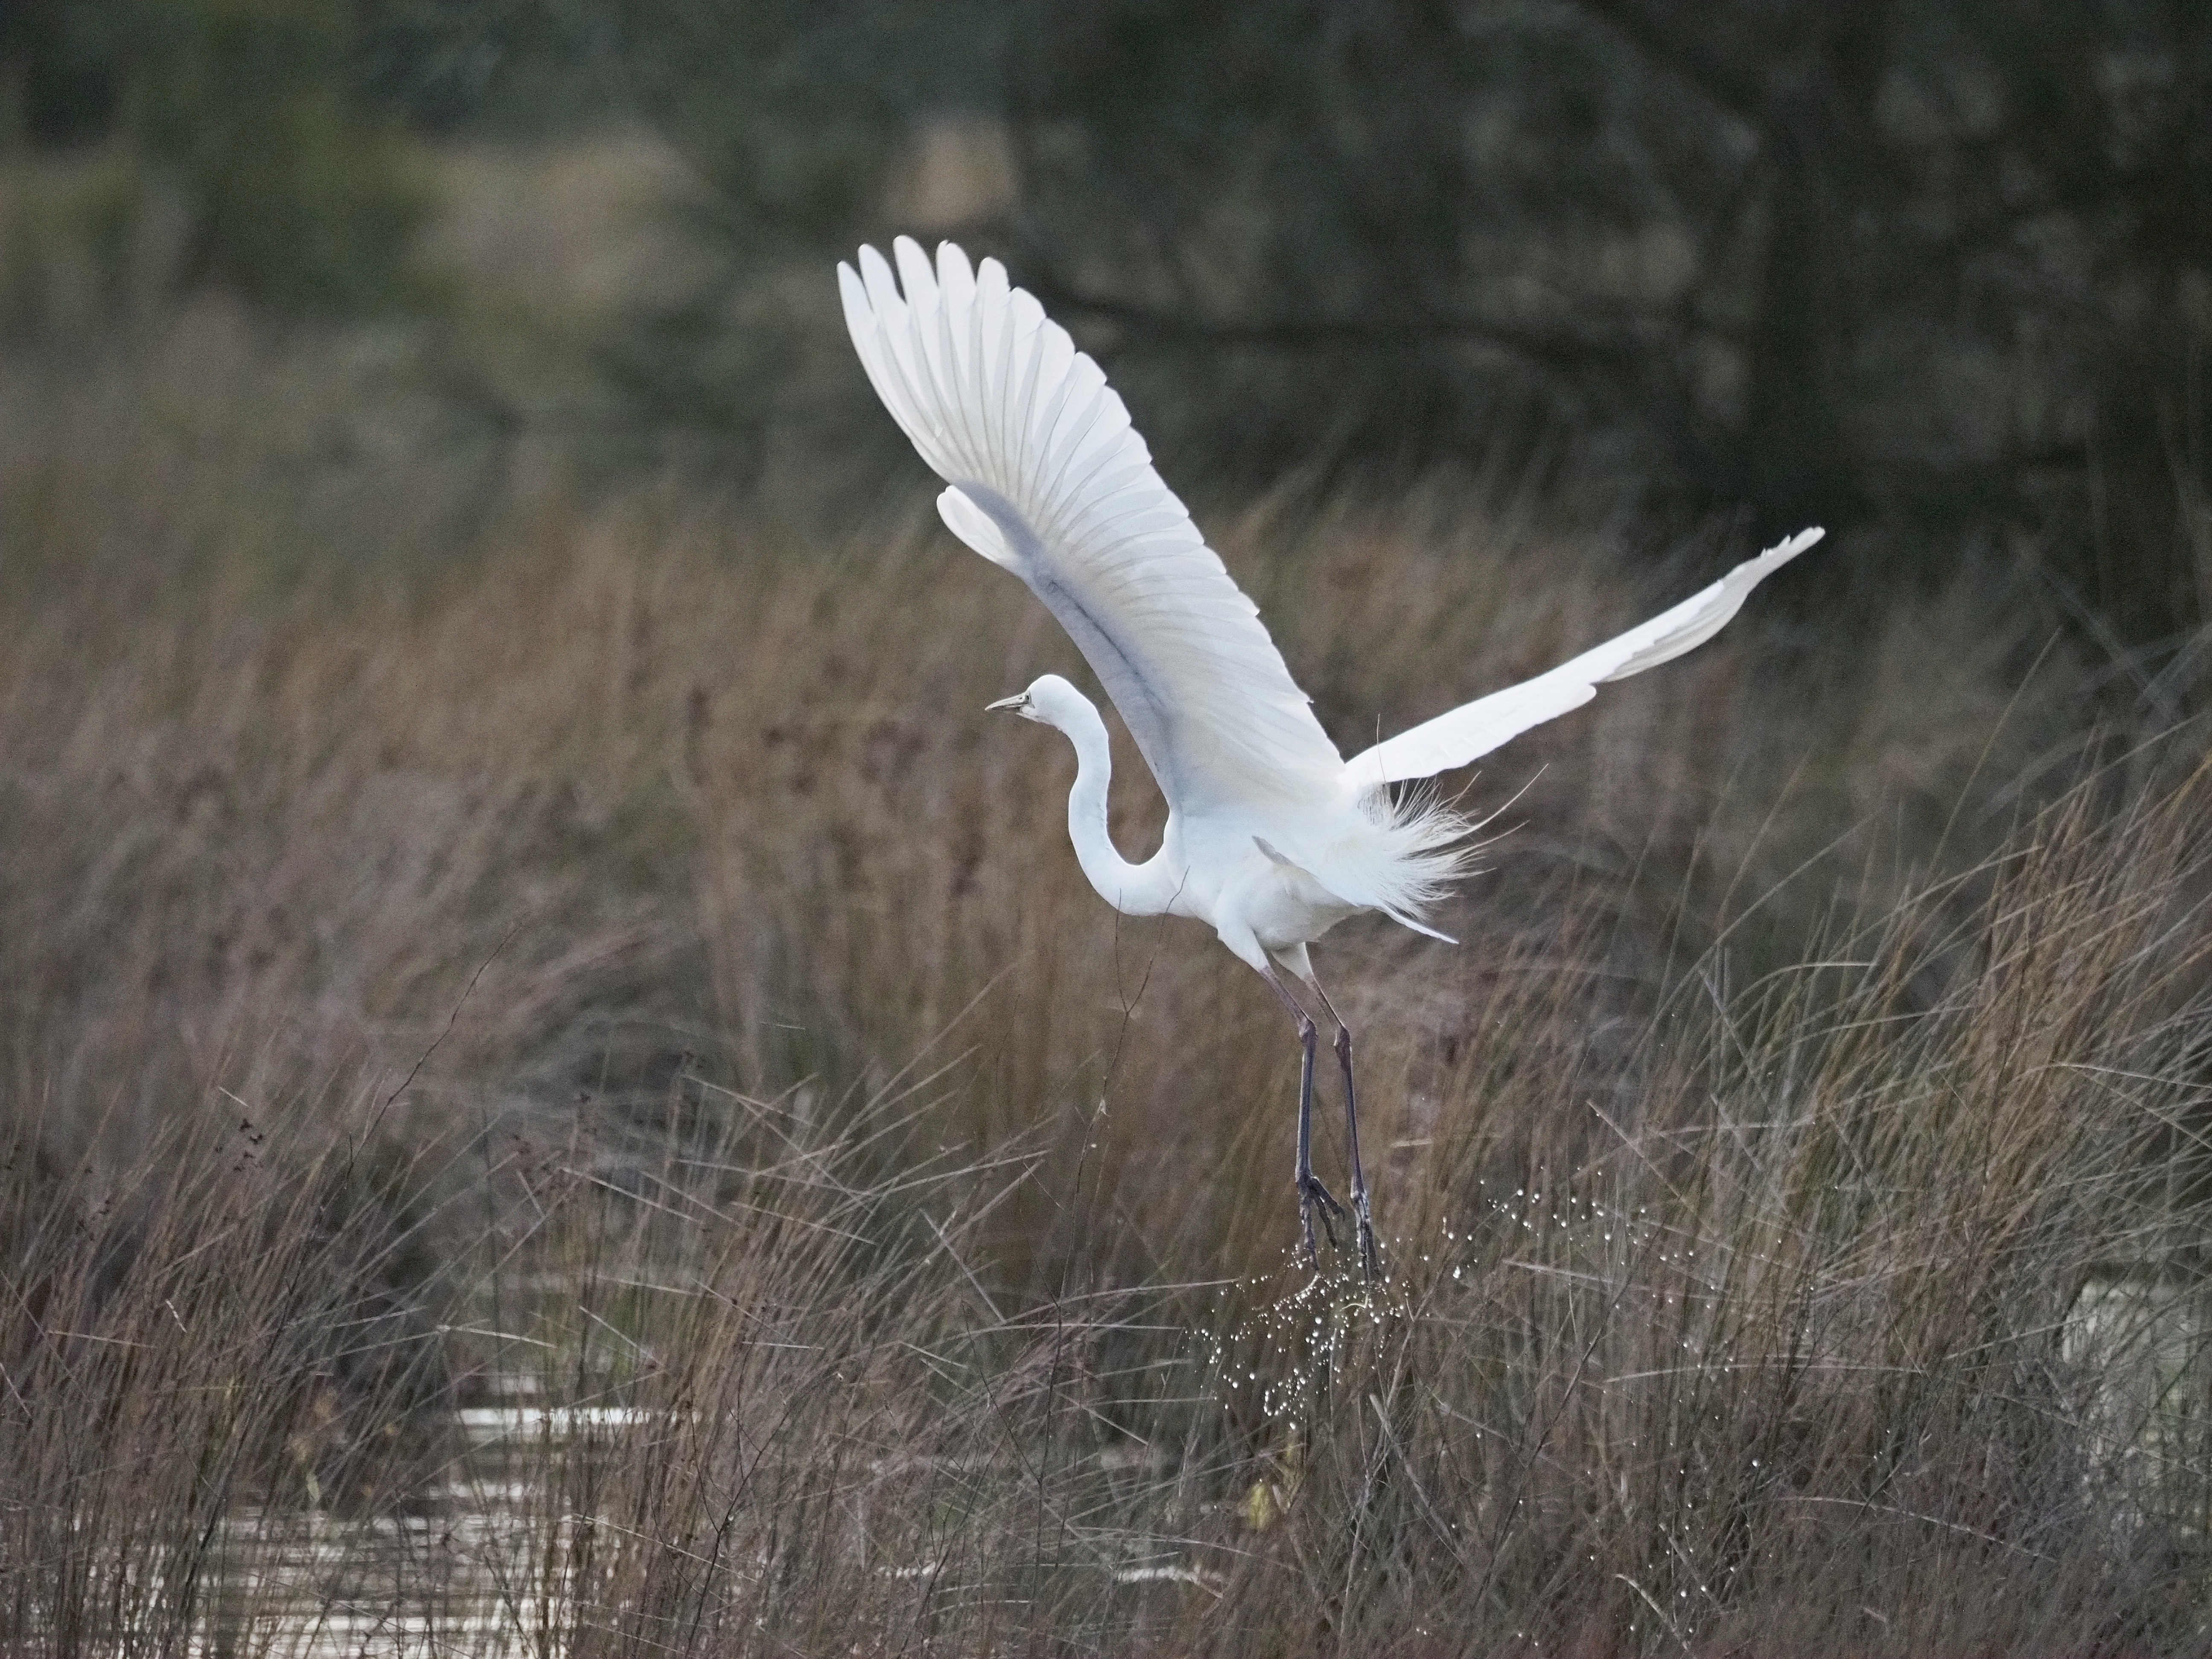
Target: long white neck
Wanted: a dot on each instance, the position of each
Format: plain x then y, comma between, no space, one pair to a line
1135,890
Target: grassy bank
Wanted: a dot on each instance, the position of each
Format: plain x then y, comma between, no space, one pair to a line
459,926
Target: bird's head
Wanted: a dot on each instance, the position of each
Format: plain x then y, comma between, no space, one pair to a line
1048,701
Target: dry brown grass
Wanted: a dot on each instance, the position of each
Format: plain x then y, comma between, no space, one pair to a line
632,893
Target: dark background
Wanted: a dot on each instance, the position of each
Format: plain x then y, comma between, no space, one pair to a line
1937,276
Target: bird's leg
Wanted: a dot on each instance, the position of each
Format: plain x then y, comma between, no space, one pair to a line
1312,1194
1370,1257
1313,1197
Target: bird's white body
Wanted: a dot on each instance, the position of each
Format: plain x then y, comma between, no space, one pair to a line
1273,837
1215,866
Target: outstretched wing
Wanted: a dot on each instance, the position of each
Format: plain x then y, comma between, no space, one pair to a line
1475,729
1049,480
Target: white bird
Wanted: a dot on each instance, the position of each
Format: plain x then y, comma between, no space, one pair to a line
1272,836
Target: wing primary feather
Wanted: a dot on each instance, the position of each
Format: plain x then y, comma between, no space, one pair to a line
925,320
1001,347
963,348
1473,729
1028,352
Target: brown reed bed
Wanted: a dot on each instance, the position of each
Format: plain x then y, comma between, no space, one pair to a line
597,953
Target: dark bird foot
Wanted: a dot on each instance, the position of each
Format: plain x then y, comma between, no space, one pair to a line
1370,1254
1314,1199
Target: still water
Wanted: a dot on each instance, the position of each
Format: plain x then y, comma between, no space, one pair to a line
475,1571
477,1568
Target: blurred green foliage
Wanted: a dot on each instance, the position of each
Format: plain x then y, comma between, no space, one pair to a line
1938,273
1944,270
243,118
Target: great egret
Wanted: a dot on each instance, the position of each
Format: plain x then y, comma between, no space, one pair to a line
1272,836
